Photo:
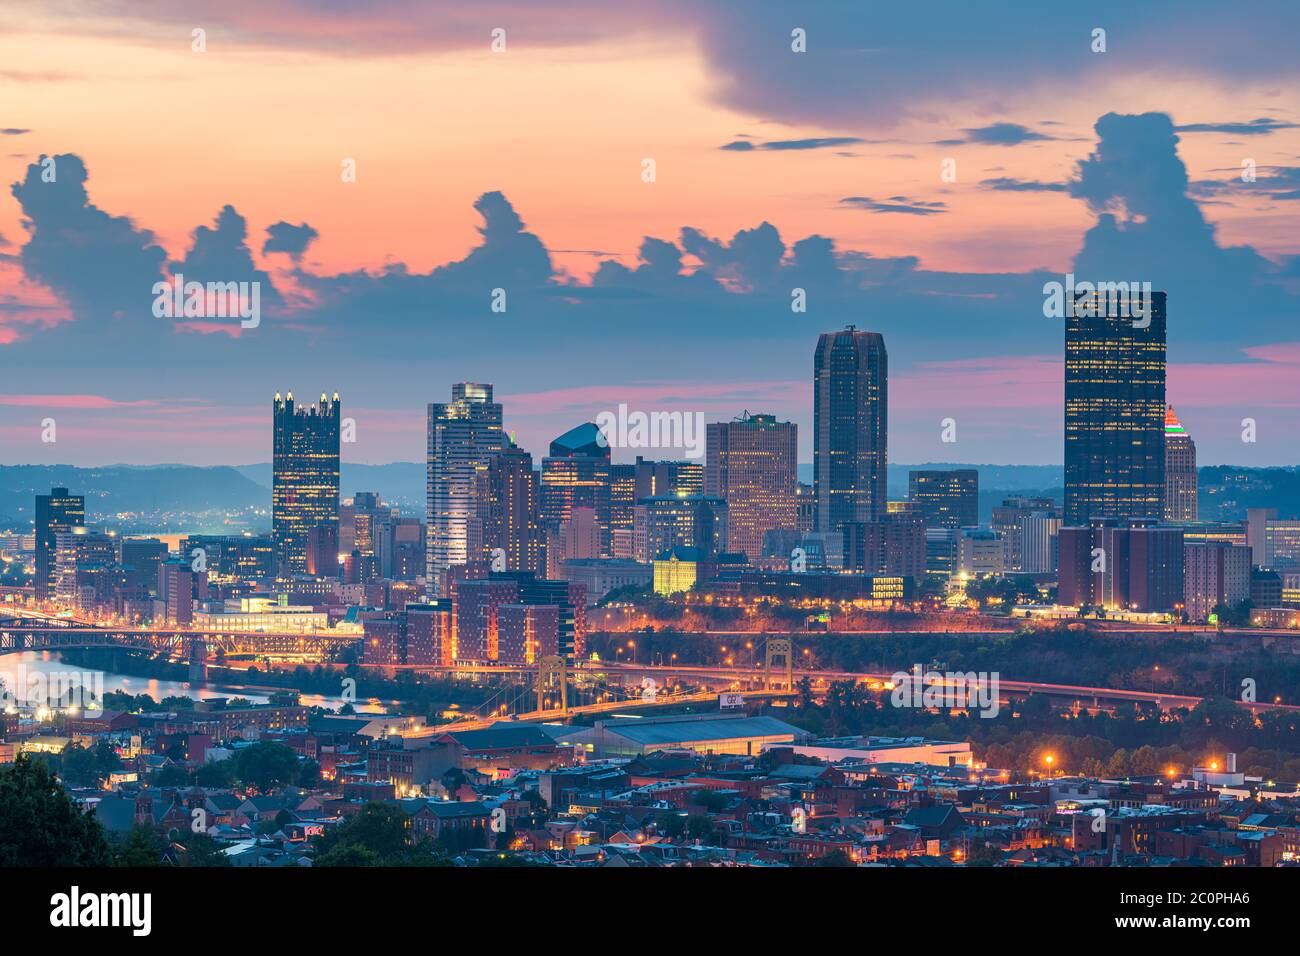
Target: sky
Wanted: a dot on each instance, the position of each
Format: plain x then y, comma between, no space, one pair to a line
648,184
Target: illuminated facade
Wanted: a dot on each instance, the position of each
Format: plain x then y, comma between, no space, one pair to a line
946,499
665,522
677,571
850,427
1214,573
304,478
1180,471
1114,409
58,511
508,508
751,465
463,435
577,474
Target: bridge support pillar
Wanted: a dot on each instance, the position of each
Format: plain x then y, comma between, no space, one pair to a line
198,661
779,651
552,673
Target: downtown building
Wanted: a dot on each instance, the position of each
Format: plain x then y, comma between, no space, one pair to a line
751,464
57,512
1114,408
946,499
516,617
463,436
1180,471
850,428
304,481
1134,566
576,502
1214,573
668,522
507,531
1028,528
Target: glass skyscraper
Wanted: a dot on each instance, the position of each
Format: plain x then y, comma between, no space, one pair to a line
1114,408
56,512
304,478
850,427
463,435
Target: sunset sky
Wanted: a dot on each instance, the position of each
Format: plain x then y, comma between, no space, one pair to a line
523,169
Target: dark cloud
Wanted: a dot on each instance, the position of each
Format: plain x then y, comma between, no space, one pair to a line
896,204
288,238
997,134
393,337
823,142
99,264
220,253
1256,127
1150,229
865,63
1011,185
13,131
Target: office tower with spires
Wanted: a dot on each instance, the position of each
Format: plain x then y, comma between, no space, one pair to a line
304,478
850,428
1180,471
463,435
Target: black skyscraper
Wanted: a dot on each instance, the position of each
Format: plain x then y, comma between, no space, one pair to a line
1114,409
55,512
305,478
850,427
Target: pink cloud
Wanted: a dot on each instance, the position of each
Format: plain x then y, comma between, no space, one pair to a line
70,401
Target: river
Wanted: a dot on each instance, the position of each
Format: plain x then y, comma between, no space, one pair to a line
49,661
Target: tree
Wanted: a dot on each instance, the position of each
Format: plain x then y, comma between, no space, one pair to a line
173,775
266,765
216,774
77,766
309,774
202,850
835,858
378,835
40,825
141,848
348,854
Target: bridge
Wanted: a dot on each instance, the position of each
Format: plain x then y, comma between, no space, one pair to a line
558,691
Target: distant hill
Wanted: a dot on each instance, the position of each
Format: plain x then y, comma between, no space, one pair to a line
190,498
156,491
400,482
163,492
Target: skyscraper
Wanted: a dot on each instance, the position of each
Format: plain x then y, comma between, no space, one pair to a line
508,510
850,427
576,474
463,436
1180,471
1114,408
751,464
304,477
55,512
